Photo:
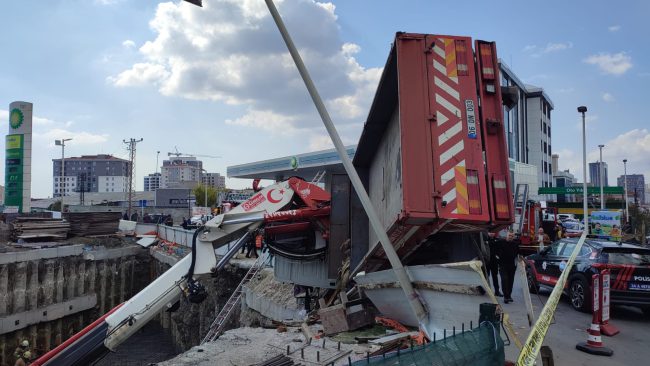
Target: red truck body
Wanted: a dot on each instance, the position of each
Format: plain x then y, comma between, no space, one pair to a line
433,151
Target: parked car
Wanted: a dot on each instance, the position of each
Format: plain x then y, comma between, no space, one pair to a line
573,228
563,217
629,265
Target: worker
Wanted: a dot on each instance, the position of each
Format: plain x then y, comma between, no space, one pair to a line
493,265
252,248
542,239
508,250
559,232
22,353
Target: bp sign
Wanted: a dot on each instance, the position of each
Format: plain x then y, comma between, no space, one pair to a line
16,118
18,158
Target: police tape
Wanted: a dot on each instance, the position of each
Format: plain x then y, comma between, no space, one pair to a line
476,266
534,341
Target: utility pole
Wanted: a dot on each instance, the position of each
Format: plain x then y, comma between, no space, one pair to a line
627,210
582,109
131,145
600,178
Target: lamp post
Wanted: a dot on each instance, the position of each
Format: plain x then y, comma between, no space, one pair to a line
600,178
627,211
61,184
583,110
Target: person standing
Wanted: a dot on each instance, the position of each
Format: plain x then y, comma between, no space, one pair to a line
508,251
542,239
493,265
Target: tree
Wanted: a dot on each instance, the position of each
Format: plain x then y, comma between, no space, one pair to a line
199,193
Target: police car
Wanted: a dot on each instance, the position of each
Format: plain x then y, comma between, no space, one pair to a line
629,266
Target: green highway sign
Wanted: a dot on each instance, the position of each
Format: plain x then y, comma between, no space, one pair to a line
578,190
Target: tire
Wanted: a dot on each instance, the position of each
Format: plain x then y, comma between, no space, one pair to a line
533,286
580,295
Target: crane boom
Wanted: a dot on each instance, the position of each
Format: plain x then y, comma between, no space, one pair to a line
267,205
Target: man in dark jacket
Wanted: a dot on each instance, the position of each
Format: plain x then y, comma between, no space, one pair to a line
493,265
508,250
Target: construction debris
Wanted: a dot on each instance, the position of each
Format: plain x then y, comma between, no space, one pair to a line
92,223
32,228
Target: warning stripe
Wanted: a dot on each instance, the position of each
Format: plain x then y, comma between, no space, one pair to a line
528,354
450,174
462,204
450,60
451,132
448,107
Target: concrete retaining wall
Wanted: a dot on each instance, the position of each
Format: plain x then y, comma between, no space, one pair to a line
53,293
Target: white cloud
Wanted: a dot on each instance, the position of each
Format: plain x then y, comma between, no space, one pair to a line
633,145
537,51
128,44
614,64
140,74
614,28
79,137
230,51
607,97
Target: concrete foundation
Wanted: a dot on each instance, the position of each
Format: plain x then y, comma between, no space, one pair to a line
47,295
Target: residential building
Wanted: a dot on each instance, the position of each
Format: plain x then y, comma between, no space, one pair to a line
152,182
528,126
214,180
635,187
90,173
181,172
594,174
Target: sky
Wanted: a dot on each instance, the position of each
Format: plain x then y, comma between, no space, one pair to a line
218,81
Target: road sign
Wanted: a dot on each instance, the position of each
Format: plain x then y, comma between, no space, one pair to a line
142,203
578,190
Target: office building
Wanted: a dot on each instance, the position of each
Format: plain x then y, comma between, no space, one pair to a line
594,174
635,188
214,180
90,173
152,182
528,126
564,179
181,172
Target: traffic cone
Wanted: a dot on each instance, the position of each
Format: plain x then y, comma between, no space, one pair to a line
606,328
594,344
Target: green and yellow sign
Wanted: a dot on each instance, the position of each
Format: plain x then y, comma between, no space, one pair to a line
14,171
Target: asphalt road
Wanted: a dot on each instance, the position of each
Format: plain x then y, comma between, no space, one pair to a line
631,346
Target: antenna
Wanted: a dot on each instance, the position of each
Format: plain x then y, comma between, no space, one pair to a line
131,145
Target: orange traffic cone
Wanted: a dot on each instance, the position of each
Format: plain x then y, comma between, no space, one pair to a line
594,344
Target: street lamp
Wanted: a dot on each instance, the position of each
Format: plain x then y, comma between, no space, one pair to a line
583,110
627,211
61,190
600,178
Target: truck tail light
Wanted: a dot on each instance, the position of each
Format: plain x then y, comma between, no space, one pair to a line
461,58
488,71
473,192
500,187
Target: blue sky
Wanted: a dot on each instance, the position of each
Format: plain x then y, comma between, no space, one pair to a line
218,81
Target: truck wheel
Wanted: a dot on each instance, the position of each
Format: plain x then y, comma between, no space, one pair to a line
580,295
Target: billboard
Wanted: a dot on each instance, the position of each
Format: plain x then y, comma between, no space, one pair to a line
18,158
606,224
